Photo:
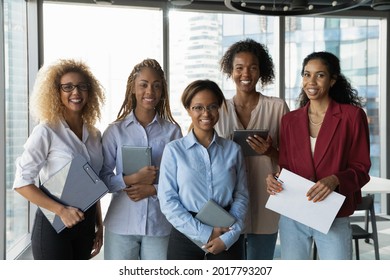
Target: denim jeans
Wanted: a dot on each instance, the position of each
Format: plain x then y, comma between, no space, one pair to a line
260,246
296,240
134,247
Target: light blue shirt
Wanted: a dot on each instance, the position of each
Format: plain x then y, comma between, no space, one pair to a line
191,174
125,216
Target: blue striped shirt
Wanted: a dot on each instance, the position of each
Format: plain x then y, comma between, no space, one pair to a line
125,216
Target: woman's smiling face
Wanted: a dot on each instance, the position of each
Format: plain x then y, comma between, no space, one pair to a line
316,80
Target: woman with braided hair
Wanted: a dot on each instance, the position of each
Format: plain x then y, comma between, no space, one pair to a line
135,228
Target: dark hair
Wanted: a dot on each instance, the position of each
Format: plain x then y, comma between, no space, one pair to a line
196,86
130,102
266,65
341,91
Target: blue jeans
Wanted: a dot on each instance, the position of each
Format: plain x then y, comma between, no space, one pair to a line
296,240
260,246
134,247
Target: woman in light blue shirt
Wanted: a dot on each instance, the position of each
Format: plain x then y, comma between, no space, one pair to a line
135,228
197,168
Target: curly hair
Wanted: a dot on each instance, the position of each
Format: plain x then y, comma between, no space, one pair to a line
341,91
163,109
260,51
46,105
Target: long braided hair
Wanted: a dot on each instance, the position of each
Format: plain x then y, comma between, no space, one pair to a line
130,103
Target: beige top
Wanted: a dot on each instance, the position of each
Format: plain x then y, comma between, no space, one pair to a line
266,115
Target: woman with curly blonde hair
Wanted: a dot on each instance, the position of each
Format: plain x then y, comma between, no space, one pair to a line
66,101
135,228
46,105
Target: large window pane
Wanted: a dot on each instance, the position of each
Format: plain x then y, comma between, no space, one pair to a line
16,116
110,39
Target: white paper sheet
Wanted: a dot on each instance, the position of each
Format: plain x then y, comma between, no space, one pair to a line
293,203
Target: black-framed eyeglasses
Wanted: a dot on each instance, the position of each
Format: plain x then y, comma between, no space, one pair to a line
201,109
70,87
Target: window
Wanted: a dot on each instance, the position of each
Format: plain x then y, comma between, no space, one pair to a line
16,119
111,47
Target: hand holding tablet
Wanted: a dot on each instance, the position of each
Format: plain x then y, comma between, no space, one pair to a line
241,136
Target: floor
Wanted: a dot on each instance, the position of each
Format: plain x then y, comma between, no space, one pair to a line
366,250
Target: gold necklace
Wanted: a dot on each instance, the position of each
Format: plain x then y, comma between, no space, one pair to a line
313,123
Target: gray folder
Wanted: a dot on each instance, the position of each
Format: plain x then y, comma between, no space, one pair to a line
214,215
134,158
77,185
240,136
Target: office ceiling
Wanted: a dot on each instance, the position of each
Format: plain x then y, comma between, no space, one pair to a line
220,4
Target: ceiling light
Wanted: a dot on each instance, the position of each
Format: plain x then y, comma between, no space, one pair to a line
180,2
104,2
380,5
299,7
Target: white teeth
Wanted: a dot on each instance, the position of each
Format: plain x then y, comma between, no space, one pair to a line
206,121
245,82
75,100
310,90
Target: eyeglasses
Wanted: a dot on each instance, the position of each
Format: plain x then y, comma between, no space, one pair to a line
70,87
201,109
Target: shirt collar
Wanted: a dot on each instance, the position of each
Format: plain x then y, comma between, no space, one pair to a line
190,140
85,130
131,118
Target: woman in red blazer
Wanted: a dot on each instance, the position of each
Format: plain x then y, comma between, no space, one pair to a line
326,141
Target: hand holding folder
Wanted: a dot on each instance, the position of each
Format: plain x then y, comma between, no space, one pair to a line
214,215
77,185
134,158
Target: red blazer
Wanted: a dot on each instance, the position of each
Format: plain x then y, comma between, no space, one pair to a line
342,149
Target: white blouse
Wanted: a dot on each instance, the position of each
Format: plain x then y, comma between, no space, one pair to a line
49,148
313,141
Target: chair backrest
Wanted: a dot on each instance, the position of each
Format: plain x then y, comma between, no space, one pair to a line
367,204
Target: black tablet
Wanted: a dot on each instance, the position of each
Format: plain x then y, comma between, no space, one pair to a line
240,136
